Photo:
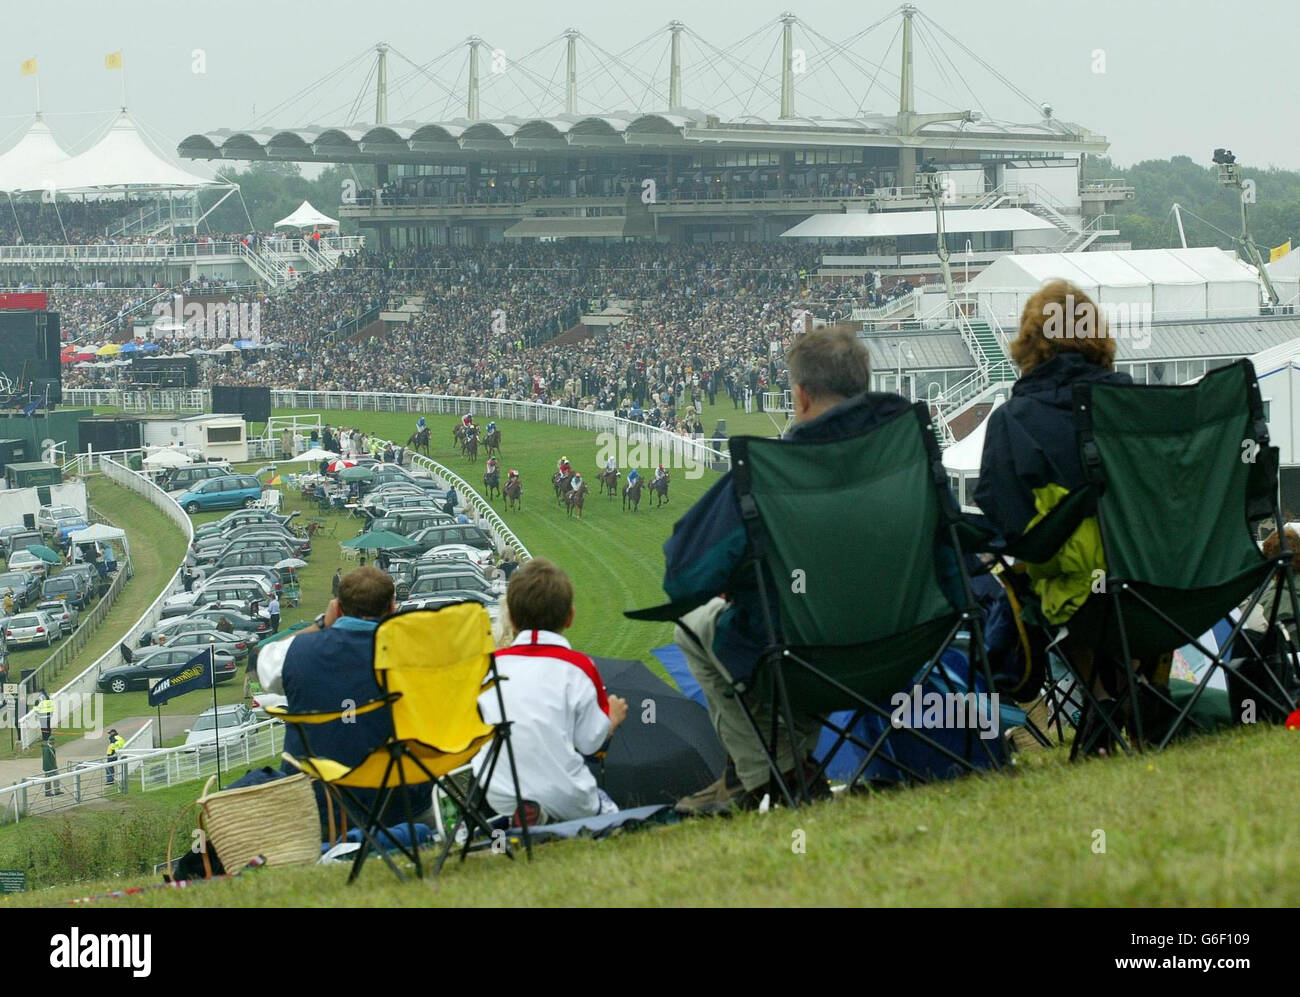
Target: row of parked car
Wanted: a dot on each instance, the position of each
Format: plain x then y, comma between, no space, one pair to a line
234,572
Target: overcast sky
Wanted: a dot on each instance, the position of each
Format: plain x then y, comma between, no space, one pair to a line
1157,79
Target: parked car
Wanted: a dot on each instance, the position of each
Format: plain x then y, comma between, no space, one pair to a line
459,552
243,517
62,612
262,700
228,723
86,571
180,629
270,573
25,585
213,547
22,560
409,522
73,587
195,641
150,665
66,528
22,539
261,556
32,628
243,594
465,534
240,621
182,479
226,492
6,532
449,597
48,517
443,566
431,585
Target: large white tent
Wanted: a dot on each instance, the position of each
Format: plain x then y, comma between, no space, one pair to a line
1197,283
892,224
121,160
1285,275
25,165
306,217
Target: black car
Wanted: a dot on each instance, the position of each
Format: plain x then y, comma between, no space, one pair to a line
148,666
26,586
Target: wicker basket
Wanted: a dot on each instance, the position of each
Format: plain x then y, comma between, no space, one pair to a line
277,820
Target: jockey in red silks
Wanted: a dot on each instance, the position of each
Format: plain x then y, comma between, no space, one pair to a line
565,468
467,421
492,465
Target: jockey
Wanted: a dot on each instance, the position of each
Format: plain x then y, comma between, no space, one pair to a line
660,473
564,467
512,475
611,465
492,465
467,421
492,428
576,483
420,425
633,476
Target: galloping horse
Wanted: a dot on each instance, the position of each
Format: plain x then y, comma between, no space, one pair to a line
573,500
632,494
419,441
492,443
608,480
470,447
458,437
492,480
514,494
660,489
561,483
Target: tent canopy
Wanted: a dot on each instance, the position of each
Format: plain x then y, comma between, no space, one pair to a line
24,166
307,217
120,160
890,224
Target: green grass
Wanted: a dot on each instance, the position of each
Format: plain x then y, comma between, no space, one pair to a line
1209,823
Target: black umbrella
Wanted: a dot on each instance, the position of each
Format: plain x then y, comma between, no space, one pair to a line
665,749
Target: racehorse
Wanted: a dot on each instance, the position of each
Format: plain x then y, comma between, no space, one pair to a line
514,494
632,494
419,441
573,500
458,436
561,482
492,480
608,480
492,442
470,447
660,489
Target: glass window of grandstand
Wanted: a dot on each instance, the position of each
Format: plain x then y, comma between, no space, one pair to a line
1167,371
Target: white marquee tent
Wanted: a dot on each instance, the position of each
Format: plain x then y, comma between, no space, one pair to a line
25,165
1285,275
307,217
1199,283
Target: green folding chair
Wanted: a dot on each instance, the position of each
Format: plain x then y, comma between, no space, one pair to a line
846,541
1177,478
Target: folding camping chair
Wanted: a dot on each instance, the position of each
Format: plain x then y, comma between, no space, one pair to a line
845,540
1177,477
432,665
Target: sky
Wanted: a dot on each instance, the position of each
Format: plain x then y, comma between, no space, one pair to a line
1157,79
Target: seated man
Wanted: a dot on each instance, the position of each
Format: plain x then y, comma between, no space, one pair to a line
723,639
556,703
324,667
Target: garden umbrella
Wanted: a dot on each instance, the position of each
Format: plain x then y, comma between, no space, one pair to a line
291,562
108,349
44,553
339,465
666,749
356,474
378,540
316,453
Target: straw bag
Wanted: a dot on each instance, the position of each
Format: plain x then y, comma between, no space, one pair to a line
277,820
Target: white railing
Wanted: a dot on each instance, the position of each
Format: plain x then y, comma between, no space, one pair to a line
891,307
86,680
163,767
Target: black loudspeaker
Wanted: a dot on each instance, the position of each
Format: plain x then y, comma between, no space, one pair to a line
29,353
254,404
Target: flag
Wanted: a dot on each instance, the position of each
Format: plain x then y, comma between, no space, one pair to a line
113,60
1279,251
194,674
29,67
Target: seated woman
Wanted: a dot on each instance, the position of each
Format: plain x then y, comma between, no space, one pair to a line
1030,460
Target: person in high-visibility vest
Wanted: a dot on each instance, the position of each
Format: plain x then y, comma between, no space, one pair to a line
45,714
115,744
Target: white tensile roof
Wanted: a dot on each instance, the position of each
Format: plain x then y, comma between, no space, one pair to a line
890,224
23,167
120,160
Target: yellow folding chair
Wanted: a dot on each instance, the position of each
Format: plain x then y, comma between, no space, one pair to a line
432,666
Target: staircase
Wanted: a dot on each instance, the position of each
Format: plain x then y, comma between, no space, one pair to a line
990,355
273,271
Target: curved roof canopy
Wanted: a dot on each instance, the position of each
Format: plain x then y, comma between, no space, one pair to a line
24,166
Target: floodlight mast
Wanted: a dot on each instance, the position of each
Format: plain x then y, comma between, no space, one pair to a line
1230,176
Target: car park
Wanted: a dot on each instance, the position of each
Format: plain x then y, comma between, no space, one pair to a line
25,585
226,492
148,666
31,628
65,615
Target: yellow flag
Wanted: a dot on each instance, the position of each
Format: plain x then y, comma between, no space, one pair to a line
113,60
1278,252
29,67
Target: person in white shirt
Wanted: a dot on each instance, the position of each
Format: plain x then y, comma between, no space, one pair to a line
556,703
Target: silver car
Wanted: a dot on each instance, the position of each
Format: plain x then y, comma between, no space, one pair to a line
61,612
32,628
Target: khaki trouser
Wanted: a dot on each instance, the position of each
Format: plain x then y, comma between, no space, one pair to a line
725,711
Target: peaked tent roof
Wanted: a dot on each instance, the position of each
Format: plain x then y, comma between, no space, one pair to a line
305,216
121,159
23,167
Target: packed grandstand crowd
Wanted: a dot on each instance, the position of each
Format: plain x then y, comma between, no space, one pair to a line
688,322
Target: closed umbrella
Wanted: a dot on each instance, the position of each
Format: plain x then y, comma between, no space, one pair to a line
665,749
